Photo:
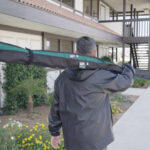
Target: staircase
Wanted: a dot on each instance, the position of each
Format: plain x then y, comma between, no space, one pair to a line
140,55
133,52
143,56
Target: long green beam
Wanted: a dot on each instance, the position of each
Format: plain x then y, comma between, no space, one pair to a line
17,55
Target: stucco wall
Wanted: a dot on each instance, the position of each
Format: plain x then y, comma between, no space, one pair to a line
115,26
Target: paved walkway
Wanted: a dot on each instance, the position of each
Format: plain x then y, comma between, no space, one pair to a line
132,131
134,91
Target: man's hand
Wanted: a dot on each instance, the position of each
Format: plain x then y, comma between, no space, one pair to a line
55,141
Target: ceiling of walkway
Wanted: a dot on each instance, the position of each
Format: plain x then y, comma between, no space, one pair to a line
140,5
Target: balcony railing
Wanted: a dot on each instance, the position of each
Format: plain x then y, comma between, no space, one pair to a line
72,10
137,27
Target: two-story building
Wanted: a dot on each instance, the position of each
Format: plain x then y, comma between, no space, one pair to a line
56,24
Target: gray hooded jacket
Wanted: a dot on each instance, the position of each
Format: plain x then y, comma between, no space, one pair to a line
81,106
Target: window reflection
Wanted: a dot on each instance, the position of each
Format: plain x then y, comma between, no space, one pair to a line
52,44
57,44
66,46
68,2
87,7
91,8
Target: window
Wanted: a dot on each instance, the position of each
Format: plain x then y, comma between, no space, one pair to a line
87,7
91,7
103,12
66,46
52,44
68,2
95,8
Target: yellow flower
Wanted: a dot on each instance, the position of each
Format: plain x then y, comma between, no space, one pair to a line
45,147
42,125
30,130
23,142
26,126
29,138
40,137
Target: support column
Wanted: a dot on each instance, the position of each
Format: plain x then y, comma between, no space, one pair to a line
116,54
112,54
74,47
78,5
2,80
149,47
124,17
149,56
43,41
131,17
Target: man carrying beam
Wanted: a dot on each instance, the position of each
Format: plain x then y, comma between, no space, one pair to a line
81,104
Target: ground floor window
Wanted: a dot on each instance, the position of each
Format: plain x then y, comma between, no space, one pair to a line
66,46
52,44
59,45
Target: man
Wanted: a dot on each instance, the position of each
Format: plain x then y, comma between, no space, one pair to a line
81,104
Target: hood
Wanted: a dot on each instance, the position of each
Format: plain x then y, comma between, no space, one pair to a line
79,74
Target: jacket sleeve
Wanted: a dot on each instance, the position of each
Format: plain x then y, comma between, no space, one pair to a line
54,117
118,82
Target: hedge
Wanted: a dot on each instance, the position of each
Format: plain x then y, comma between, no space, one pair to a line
14,73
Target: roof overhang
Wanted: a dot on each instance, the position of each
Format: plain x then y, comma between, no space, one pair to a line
26,17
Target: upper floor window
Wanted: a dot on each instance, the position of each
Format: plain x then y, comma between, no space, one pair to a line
68,2
102,12
91,7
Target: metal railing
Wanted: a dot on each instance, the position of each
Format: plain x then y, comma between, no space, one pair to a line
137,27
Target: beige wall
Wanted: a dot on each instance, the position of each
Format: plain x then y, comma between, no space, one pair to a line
115,26
21,39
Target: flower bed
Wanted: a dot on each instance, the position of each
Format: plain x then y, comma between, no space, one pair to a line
16,136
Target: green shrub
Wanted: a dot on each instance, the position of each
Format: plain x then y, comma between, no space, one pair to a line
14,73
107,58
50,99
141,83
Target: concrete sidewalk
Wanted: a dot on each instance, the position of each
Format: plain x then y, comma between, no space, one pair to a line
134,91
132,131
